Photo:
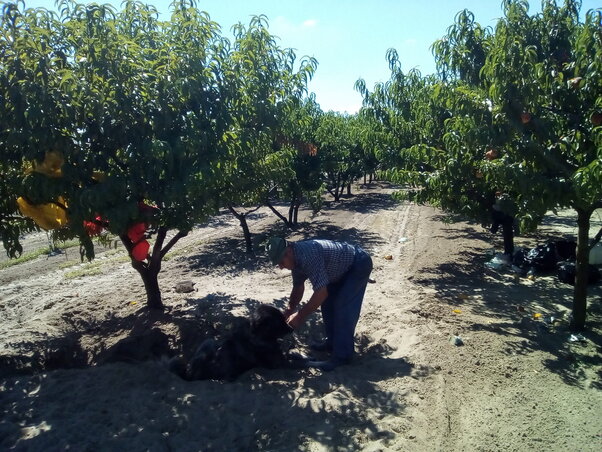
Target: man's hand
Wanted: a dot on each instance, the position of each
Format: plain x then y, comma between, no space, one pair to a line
295,320
289,311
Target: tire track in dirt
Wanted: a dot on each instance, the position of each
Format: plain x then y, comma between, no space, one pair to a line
405,313
393,332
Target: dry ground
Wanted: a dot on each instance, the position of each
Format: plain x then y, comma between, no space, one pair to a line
517,383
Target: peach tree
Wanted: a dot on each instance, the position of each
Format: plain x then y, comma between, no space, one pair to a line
521,110
264,84
338,138
541,74
117,121
299,175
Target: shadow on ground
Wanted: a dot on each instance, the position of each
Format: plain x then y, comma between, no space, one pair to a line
531,314
366,203
342,396
229,254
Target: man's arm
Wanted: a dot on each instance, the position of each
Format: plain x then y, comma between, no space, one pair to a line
316,300
295,298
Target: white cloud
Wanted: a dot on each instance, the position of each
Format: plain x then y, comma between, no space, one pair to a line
282,27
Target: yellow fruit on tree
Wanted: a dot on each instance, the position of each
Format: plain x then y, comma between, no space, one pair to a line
47,216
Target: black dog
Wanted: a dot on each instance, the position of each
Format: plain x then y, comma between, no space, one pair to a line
253,343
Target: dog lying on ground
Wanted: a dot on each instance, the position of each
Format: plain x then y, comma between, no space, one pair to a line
253,343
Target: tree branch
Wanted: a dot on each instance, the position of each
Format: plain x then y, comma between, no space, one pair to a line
161,233
278,214
172,242
234,212
241,215
253,210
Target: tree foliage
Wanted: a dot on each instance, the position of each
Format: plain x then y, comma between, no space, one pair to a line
299,178
340,150
125,123
265,85
515,110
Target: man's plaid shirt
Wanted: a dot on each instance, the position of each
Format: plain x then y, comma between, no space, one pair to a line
321,261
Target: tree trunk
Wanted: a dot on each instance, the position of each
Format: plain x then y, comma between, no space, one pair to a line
151,285
242,219
364,178
247,232
582,270
149,271
291,211
278,214
349,189
337,194
296,214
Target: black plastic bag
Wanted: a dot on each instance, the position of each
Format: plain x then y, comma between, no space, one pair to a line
542,258
567,272
519,257
566,250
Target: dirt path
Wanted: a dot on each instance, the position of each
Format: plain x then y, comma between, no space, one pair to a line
517,383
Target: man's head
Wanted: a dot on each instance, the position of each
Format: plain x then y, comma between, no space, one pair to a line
280,252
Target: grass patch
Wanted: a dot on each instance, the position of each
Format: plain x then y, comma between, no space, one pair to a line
106,255
122,259
35,254
89,269
24,258
68,264
109,258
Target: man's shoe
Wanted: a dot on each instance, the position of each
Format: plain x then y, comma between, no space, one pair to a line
324,346
297,360
329,365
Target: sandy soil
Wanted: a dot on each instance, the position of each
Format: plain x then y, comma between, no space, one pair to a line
80,370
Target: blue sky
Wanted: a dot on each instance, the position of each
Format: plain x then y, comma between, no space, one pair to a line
349,38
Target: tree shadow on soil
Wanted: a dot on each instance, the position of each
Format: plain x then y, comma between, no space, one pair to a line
553,222
135,337
228,255
328,409
534,315
350,396
328,231
366,203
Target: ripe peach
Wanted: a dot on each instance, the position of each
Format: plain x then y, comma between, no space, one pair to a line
492,154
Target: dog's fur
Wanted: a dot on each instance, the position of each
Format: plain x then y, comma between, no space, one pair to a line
253,343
